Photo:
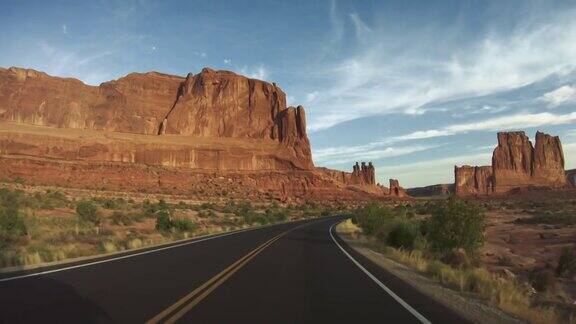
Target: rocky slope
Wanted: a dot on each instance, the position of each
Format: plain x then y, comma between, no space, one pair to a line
516,165
162,133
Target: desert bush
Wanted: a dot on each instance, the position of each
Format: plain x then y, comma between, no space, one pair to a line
373,218
183,225
151,210
163,222
11,198
455,224
88,212
276,215
11,223
567,262
403,234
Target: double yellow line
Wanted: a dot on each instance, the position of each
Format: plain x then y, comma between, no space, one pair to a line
186,303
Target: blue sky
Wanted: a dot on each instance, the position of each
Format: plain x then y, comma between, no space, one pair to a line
415,86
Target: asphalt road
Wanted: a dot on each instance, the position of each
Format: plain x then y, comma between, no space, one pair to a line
288,273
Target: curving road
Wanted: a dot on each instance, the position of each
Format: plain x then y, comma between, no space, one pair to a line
288,273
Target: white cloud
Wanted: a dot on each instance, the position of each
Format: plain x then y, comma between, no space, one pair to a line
227,61
311,96
391,74
564,94
64,29
259,72
61,62
153,48
372,151
500,123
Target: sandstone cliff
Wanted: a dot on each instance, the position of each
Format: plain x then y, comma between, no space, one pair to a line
211,105
215,132
516,165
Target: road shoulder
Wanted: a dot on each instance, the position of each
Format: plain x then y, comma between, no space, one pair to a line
467,306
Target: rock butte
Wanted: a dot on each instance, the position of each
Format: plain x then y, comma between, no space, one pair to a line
215,132
516,165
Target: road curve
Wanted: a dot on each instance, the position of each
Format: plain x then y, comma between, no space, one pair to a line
287,273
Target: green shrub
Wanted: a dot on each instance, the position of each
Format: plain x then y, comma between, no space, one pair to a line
11,198
163,222
456,224
403,235
11,222
88,212
183,225
373,218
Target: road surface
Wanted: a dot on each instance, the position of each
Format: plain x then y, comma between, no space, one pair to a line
288,273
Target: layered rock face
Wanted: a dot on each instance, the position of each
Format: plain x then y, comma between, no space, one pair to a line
211,132
211,105
516,164
473,180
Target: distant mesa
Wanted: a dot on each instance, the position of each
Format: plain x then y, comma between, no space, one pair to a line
432,190
213,132
516,165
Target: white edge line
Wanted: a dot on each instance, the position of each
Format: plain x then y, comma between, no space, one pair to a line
409,308
130,255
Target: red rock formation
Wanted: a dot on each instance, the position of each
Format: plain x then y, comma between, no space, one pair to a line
161,133
363,175
212,104
363,178
548,161
516,164
395,189
473,180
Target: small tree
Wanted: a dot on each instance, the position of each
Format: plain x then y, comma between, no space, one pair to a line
88,212
456,224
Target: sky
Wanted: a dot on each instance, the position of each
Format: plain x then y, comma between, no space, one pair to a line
414,86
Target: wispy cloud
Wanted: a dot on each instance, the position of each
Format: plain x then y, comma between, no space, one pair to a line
500,123
564,94
372,151
259,72
381,79
62,62
64,29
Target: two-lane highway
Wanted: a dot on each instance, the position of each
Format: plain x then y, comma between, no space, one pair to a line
289,273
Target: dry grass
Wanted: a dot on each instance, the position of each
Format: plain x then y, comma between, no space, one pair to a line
508,295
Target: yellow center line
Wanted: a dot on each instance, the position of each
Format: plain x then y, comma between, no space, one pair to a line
211,284
198,299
